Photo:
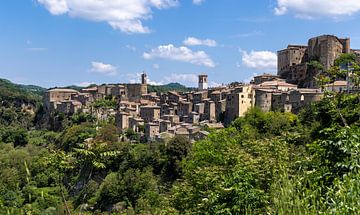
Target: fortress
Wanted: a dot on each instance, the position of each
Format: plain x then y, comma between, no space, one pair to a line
294,61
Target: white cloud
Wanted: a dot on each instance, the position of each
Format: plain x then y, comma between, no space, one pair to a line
317,8
123,15
214,84
198,2
182,54
156,66
84,84
259,59
102,68
192,41
182,78
156,83
136,78
130,47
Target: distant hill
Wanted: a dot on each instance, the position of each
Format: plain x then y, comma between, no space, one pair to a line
169,87
19,93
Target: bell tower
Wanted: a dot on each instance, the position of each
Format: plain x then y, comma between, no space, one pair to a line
203,82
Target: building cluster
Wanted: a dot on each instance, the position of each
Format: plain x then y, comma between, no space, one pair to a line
192,114
295,62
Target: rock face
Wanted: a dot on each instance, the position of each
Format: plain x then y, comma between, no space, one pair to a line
293,61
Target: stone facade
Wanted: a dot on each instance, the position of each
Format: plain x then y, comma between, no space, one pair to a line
203,82
150,113
238,102
293,62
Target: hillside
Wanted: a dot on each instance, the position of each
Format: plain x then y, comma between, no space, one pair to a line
17,93
169,87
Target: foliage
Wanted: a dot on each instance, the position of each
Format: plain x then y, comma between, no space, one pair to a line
316,65
168,87
13,93
263,163
105,103
76,135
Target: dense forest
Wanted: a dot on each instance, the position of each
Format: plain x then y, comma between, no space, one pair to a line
264,163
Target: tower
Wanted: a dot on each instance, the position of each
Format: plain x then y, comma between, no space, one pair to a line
203,82
143,78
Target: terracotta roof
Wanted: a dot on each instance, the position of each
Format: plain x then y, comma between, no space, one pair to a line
337,84
277,83
90,89
63,90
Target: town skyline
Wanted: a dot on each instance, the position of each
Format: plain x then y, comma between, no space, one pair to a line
54,44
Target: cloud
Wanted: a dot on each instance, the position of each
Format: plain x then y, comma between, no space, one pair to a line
182,54
214,84
136,78
84,84
182,78
317,8
151,82
102,68
156,66
259,60
123,15
198,2
192,41
130,47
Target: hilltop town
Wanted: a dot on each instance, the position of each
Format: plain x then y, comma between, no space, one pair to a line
193,114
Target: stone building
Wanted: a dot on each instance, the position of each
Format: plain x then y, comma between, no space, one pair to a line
339,86
291,56
264,78
203,82
69,107
264,98
293,62
215,96
209,111
277,84
56,96
151,130
150,113
327,48
136,123
135,91
199,97
122,121
238,102
185,108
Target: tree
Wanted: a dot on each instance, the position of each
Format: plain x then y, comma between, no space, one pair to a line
176,149
107,133
17,136
76,134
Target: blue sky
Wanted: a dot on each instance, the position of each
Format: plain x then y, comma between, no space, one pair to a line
64,42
